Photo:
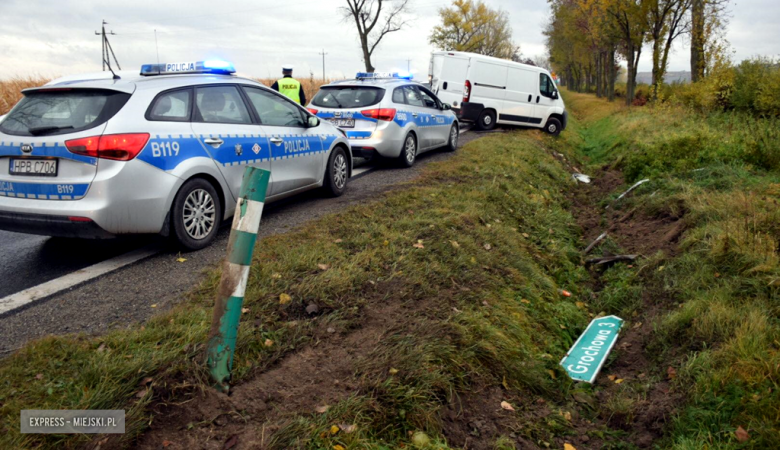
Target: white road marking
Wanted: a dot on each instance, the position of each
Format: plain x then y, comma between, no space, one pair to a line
52,287
359,170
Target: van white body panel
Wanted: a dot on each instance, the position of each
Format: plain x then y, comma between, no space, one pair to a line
512,93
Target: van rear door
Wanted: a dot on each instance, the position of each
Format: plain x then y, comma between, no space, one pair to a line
449,76
488,83
521,93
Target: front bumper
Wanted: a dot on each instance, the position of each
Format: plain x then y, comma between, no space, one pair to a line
50,225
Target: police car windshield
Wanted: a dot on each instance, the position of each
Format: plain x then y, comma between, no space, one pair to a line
343,97
62,111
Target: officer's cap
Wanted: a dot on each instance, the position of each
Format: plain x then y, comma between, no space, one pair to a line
287,68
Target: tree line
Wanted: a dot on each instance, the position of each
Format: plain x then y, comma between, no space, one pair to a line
587,39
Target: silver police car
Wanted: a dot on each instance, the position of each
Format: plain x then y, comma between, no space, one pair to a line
163,151
388,115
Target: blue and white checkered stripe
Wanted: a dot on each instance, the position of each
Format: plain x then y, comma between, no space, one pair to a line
41,191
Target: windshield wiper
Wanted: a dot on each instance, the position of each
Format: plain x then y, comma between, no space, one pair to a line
37,131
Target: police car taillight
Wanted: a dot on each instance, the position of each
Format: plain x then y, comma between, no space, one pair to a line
386,114
467,91
119,147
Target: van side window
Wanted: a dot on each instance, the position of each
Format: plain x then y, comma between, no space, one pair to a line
546,85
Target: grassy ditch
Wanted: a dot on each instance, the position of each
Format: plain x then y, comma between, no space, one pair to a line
474,255
717,337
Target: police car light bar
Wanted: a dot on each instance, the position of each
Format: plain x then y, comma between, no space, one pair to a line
379,75
214,66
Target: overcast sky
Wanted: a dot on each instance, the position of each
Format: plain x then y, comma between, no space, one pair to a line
52,38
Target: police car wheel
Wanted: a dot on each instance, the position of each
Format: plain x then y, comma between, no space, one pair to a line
196,214
337,174
487,120
452,144
408,152
553,126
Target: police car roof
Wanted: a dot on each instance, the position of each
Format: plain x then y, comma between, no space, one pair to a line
129,80
372,82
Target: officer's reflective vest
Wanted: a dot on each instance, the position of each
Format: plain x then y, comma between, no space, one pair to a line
291,88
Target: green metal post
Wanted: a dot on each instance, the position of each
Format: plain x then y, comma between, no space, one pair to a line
235,272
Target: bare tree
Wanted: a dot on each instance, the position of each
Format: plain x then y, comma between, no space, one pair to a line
374,19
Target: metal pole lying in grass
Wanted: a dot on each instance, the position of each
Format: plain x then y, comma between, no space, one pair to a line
235,272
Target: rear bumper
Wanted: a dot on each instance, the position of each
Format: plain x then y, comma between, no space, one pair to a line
363,152
470,111
50,225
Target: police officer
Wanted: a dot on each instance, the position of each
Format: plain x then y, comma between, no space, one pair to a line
290,87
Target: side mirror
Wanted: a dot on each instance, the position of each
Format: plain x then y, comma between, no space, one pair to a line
446,107
555,95
314,121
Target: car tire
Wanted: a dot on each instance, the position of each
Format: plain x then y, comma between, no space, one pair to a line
486,120
553,126
196,215
408,152
337,173
452,144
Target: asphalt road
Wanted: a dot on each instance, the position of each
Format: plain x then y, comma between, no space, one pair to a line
126,296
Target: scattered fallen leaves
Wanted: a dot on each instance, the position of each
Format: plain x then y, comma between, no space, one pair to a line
338,241
230,443
322,409
154,305
455,244
671,373
167,443
525,235
742,434
180,259
638,325
552,374
580,305
419,244
563,327
268,343
612,377
284,299
487,247
420,439
392,371
566,415
276,275
527,302
338,447
565,293
39,376
334,429
507,406
618,381
101,348
503,383
323,266
348,428
142,393
244,310
567,446
145,381
386,243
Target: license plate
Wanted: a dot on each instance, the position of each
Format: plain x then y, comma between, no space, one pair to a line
33,167
343,123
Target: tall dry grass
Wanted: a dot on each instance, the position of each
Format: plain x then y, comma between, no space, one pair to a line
11,90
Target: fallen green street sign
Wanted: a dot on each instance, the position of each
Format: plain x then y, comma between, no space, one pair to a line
587,355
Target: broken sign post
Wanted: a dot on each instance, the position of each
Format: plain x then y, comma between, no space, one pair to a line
235,272
586,357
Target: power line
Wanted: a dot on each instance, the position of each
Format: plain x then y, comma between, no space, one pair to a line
106,48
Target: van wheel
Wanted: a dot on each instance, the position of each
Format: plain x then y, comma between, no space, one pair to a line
487,120
408,152
452,144
553,126
196,215
337,174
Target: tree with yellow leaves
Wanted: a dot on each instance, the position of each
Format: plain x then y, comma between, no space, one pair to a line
472,26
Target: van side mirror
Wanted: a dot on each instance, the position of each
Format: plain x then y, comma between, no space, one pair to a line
314,121
555,95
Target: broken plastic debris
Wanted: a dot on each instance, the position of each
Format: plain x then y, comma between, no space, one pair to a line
581,177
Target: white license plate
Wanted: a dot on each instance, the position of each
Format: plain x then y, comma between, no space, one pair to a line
343,123
33,167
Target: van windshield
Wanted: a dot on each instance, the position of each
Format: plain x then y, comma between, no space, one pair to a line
52,112
343,97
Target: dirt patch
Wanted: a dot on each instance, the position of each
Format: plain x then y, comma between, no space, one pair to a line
642,403
320,374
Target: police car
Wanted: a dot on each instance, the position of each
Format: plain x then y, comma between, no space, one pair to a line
163,151
387,114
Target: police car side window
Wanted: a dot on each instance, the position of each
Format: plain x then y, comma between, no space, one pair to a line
427,99
412,97
398,96
171,106
221,104
273,110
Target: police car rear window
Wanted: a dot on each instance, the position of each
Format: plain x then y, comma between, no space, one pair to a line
342,97
62,111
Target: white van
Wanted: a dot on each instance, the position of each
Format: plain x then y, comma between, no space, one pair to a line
490,91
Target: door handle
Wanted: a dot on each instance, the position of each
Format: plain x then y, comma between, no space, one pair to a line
276,141
537,99
414,114
214,142
529,98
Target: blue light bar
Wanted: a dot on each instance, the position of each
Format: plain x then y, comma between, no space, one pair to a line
214,66
382,75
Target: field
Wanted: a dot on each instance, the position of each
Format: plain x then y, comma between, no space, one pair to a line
435,316
10,90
